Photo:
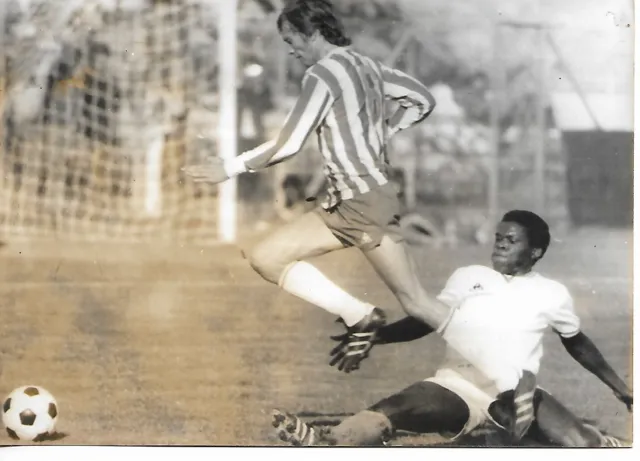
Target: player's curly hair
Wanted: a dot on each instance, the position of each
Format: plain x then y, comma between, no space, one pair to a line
309,16
537,228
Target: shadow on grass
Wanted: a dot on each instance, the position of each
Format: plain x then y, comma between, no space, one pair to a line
486,436
43,438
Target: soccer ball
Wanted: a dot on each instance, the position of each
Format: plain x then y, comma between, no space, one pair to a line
30,413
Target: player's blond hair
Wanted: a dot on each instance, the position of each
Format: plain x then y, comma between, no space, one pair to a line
309,16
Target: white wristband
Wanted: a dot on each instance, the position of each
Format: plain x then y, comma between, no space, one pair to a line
234,166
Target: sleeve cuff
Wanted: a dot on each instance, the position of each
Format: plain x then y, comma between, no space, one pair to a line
443,326
569,335
234,167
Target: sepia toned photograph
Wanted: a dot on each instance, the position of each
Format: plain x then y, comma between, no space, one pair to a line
316,223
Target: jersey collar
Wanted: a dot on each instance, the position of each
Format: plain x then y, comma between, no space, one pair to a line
528,275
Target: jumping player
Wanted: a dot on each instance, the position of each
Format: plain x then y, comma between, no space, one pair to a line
500,315
342,99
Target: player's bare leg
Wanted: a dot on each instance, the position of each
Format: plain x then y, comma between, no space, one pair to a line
398,270
560,425
554,422
424,408
279,259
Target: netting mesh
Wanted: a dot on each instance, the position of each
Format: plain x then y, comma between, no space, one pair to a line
101,108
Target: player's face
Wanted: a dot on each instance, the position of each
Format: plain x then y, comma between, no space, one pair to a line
511,252
300,46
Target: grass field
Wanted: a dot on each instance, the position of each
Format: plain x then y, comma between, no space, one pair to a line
189,346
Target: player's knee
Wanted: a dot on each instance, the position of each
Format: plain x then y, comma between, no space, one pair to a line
415,307
411,295
266,262
367,428
412,308
420,305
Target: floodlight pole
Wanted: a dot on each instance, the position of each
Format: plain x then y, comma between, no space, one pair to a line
540,144
540,168
495,103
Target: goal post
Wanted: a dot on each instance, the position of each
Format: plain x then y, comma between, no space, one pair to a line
227,132
103,104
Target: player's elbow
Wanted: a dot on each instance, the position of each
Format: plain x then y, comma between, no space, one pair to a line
584,351
577,345
292,146
430,104
285,149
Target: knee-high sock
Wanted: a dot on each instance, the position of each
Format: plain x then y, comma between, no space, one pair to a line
303,280
367,428
523,399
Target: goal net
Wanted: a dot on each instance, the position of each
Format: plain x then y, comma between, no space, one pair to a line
102,103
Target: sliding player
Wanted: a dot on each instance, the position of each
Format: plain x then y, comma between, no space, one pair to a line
500,317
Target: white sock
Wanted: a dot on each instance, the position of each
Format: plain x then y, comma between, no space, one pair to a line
303,280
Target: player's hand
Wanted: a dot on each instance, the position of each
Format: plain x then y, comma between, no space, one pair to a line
342,340
212,172
625,398
338,352
342,355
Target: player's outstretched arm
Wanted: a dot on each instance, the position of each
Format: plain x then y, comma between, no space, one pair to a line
403,331
310,109
585,352
415,101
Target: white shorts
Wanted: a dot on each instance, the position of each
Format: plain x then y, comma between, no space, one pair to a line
476,399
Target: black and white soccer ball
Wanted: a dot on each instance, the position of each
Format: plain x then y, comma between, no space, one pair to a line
30,413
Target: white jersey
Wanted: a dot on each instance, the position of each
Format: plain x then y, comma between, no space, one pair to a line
498,323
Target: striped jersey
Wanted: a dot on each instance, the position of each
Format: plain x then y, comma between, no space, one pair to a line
343,100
